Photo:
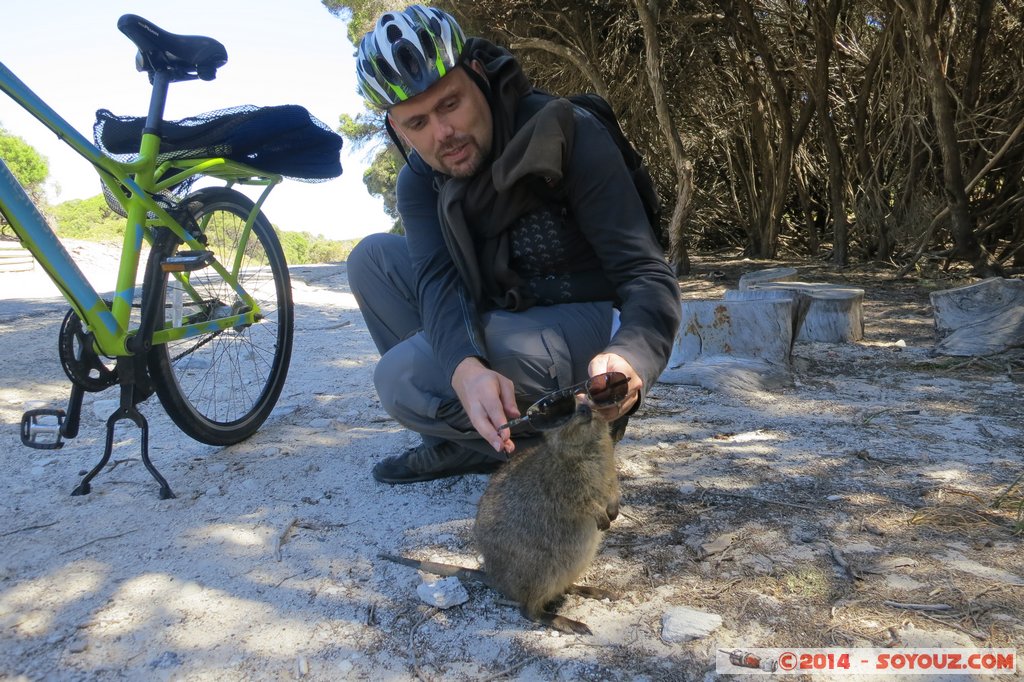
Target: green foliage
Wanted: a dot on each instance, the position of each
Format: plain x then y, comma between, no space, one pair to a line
380,179
303,248
367,131
361,15
364,129
29,166
90,219
93,220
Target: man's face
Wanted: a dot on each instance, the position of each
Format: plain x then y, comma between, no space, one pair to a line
449,124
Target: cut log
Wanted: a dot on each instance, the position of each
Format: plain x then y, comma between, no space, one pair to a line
748,279
730,375
835,313
979,319
801,302
759,329
734,346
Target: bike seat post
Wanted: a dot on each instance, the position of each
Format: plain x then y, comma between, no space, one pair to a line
150,145
155,118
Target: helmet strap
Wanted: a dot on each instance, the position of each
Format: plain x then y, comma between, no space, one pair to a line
396,139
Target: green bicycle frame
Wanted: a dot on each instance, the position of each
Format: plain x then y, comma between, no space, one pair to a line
133,184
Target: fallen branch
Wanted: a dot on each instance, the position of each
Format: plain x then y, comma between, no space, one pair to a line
282,580
27,528
513,668
999,500
917,607
92,542
759,500
116,462
867,457
721,590
981,636
433,611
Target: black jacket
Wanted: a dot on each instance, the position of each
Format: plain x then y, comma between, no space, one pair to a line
550,157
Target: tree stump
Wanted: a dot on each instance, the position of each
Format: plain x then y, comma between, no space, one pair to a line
729,374
834,314
737,346
760,329
801,302
749,279
979,319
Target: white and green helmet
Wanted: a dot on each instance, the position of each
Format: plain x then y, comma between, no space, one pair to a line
406,53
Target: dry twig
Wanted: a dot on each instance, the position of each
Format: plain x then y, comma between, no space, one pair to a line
92,542
511,669
917,607
838,557
27,528
759,500
981,636
283,538
433,611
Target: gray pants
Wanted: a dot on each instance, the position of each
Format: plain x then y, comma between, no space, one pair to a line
539,350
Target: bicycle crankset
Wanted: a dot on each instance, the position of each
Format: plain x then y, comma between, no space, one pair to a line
80,362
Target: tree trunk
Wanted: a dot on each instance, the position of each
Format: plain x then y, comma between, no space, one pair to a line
925,19
774,135
865,147
807,210
983,27
824,40
574,57
682,164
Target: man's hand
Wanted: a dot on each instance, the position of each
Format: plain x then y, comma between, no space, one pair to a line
611,362
489,400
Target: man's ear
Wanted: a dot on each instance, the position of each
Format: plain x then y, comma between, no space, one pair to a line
478,74
478,66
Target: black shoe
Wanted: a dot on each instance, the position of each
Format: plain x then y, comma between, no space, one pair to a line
427,462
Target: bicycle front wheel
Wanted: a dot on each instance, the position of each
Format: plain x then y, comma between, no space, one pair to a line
220,386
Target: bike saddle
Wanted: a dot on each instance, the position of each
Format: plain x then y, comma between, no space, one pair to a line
181,57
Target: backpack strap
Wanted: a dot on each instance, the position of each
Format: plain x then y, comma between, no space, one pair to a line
599,107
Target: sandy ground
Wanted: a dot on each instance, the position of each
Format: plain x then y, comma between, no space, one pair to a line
827,513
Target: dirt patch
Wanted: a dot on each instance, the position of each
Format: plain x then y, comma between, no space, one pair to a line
816,515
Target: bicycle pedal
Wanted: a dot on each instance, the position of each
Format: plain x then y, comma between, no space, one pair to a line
40,429
187,261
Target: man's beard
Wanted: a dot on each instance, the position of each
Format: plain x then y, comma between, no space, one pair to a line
470,165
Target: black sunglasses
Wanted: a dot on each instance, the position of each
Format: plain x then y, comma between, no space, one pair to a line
556,408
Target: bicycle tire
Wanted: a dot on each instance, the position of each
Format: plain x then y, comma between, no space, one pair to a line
220,387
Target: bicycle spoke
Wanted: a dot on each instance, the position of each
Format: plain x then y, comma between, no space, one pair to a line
219,385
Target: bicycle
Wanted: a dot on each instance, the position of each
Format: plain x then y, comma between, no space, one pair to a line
210,331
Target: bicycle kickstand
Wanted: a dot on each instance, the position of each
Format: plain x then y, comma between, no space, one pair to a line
127,410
